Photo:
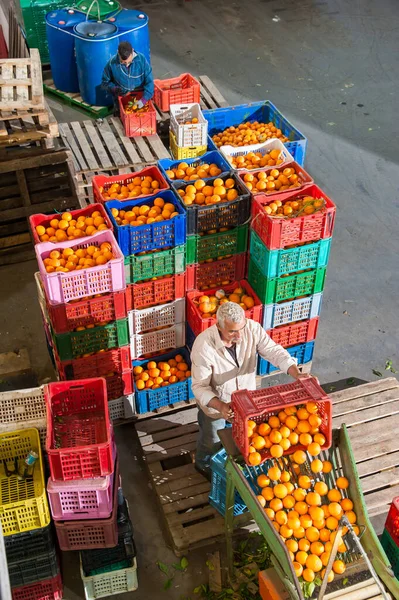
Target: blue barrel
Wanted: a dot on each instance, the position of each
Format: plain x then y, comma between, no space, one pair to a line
133,27
61,45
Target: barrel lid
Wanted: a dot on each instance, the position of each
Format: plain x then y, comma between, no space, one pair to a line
95,30
64,18
128,19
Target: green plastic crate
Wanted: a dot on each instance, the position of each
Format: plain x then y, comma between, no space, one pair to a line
209,247
274,263
285,288
76,343
156,264
392,551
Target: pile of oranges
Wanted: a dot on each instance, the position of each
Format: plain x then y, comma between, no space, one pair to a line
300,206
193,121
161,374
248,133
254,160
204,193
208,305
140,186
157,211
276,180
77,259
65,227
189,173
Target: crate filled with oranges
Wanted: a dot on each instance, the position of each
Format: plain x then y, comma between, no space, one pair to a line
136,185
276,181
188,125
272,153
221,272
210,164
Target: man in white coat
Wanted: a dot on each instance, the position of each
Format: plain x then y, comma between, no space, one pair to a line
224,359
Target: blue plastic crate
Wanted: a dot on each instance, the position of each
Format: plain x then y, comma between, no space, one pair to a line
190,337
302,352
283,313
149,400
264,111
144,238
213,156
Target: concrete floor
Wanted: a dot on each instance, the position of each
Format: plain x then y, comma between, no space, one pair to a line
330,67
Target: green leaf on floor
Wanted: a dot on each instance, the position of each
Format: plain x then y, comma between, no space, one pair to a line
162,567
210,565
377,373
167,584
184,563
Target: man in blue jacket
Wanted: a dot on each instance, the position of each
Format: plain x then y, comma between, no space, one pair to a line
128,71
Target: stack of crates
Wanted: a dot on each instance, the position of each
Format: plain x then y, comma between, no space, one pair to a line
84,311
188,133
390,536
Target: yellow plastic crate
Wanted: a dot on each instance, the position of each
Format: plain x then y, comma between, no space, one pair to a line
23,502
181,152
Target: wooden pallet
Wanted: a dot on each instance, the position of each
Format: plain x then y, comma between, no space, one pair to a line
101,147
75,99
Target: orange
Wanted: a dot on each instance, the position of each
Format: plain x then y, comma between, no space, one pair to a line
314,563
276,504
304,482
313,499
281,517
303,427
280,491
317,548
285,476
335,510
263,480
305,439
258,442
40,230
302,414
330,577
274,473
301,508
298,568
325,535
291,422
316,466
264,429
319,438
286,532
293,438
267,493
306,521
351,516
274,422
331,523
270,513
314,449
312,534
299,457
277,451
339,567
299,494
321,488
289,502
254,459
327,466
293,523
346,504
292,545
324,557
316,513
342,483
304,544
334,495
262,501
299,533
275,436
308,575
301,557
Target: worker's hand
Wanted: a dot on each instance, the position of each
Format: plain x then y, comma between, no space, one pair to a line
140,104
227,412
117,91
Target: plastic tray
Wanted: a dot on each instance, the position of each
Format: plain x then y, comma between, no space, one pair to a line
212,157
205,248
284,288
22,546
122,408
183,152
229,152
302,352
19,406
64,287
40,219
105,182
275,315
139,125
391,550
156,264
261,404
278,233
23,503
224,214
158,341
165,315
150,400
152,293
295,333
216,274
154,236
193,134
392,522
274,263
86,447
109,584
263,112
33,569
199,324
50,589
177,90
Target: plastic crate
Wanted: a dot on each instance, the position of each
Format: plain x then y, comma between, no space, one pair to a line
64,287
274,263
392,522
154,236
19,406
165,315
229,152
33,569
40,219
184,152
111,583
212,157
260,405
23,503
295,333
391,550
198,324
304,178
263,112
205,248
285,287
105,182
302,352
149,400
75,344
50,589
81,499
192,134
217,273
279,233
155,264
275,315
22,546
82,449
122,408
152,293
138,125
177,90
224,214
217,495
157,341
89,534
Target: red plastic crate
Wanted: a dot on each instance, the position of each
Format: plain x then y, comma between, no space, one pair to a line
217,273
279,233
295,333
78,447
40,219
304,178
106,181
151,293
138,125
260,405
392,522
49,589
184,89
198,324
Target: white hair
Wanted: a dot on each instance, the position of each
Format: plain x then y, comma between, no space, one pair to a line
230,311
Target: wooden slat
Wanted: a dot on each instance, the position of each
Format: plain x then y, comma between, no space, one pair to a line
97,145
169,434
221,101
379,502
370,414
158,147
380,463
130,149
86,150
364,402
380,480
23,188
79,161
36,76
111,143
365,389
142,146
149,426
14,240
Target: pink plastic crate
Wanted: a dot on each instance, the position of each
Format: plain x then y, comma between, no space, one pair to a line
49,589
64,287
81,499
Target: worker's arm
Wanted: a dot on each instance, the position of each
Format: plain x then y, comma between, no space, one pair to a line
276,354
107,82
205,395
148,81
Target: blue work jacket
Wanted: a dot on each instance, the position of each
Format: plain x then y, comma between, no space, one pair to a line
137,76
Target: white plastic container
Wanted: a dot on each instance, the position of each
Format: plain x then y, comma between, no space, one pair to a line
194,134
274,144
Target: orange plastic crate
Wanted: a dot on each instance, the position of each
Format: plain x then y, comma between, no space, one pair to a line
184,89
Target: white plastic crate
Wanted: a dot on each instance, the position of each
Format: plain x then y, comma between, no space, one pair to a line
294,310
111,583
194,134
274,144
24,409
152,318
158,341
122,408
